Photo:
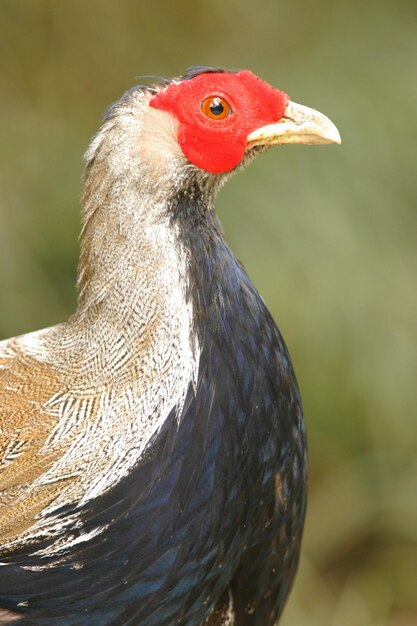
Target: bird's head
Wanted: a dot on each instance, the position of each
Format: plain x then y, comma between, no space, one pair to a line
221,116
202,125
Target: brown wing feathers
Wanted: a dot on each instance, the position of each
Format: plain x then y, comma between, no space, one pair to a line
26,384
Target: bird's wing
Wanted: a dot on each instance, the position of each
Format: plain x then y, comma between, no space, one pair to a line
26,383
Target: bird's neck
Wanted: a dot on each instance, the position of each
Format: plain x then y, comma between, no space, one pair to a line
129,271
142,256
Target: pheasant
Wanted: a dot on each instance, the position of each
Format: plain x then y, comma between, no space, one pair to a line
152,448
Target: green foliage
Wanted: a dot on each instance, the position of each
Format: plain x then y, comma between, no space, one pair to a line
327,234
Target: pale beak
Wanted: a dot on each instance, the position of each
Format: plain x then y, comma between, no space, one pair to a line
300,124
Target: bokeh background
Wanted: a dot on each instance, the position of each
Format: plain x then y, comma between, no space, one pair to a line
328,235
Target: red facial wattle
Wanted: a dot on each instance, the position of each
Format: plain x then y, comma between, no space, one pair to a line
217,143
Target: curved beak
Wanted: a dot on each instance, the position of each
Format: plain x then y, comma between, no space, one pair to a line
299,124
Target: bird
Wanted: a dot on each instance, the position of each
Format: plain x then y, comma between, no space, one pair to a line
153,464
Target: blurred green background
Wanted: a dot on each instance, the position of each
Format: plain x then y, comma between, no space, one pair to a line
328,235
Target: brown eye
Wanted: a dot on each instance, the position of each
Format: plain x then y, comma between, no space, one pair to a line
216,108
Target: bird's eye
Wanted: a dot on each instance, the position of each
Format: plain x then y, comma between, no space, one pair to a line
216,108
